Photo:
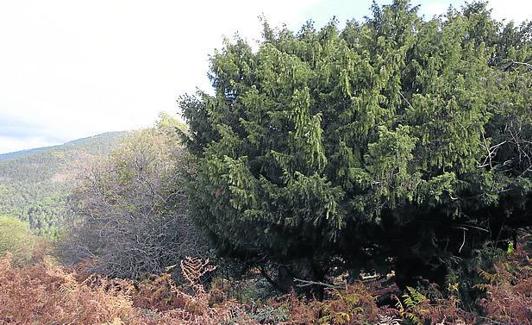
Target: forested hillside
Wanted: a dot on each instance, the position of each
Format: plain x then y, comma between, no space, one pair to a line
34,184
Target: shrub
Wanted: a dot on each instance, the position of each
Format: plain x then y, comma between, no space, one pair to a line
508,290
131,212
16,238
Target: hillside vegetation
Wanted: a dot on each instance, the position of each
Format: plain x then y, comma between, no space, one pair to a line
34,184
16,238
131,212
378,173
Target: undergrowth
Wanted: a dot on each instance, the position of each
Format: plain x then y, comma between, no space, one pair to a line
47,293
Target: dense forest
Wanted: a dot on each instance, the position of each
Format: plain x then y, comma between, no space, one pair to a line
35,184
377,172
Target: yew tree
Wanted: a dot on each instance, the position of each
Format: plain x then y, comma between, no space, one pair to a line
395,135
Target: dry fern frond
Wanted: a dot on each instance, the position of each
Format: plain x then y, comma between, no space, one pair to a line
194,268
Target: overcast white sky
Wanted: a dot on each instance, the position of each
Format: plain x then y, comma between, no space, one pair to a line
70,68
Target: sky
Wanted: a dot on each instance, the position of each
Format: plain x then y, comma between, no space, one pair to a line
72,69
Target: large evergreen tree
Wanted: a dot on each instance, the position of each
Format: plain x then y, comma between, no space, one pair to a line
395,136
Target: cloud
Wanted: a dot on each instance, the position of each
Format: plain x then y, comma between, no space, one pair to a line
10,144
516,10
78,68
16,134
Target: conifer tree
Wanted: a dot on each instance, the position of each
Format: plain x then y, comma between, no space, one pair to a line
389,136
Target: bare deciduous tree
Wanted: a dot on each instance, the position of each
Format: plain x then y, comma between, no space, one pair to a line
131,208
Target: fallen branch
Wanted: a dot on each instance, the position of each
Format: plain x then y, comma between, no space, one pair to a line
307,283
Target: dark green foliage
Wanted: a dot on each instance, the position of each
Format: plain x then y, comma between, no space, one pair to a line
394,136
34,184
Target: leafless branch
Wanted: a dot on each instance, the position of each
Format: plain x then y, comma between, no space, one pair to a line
307,283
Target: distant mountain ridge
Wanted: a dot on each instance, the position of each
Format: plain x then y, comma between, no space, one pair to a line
102,138
35,183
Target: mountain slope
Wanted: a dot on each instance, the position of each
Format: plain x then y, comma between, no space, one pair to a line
95,144
35,183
